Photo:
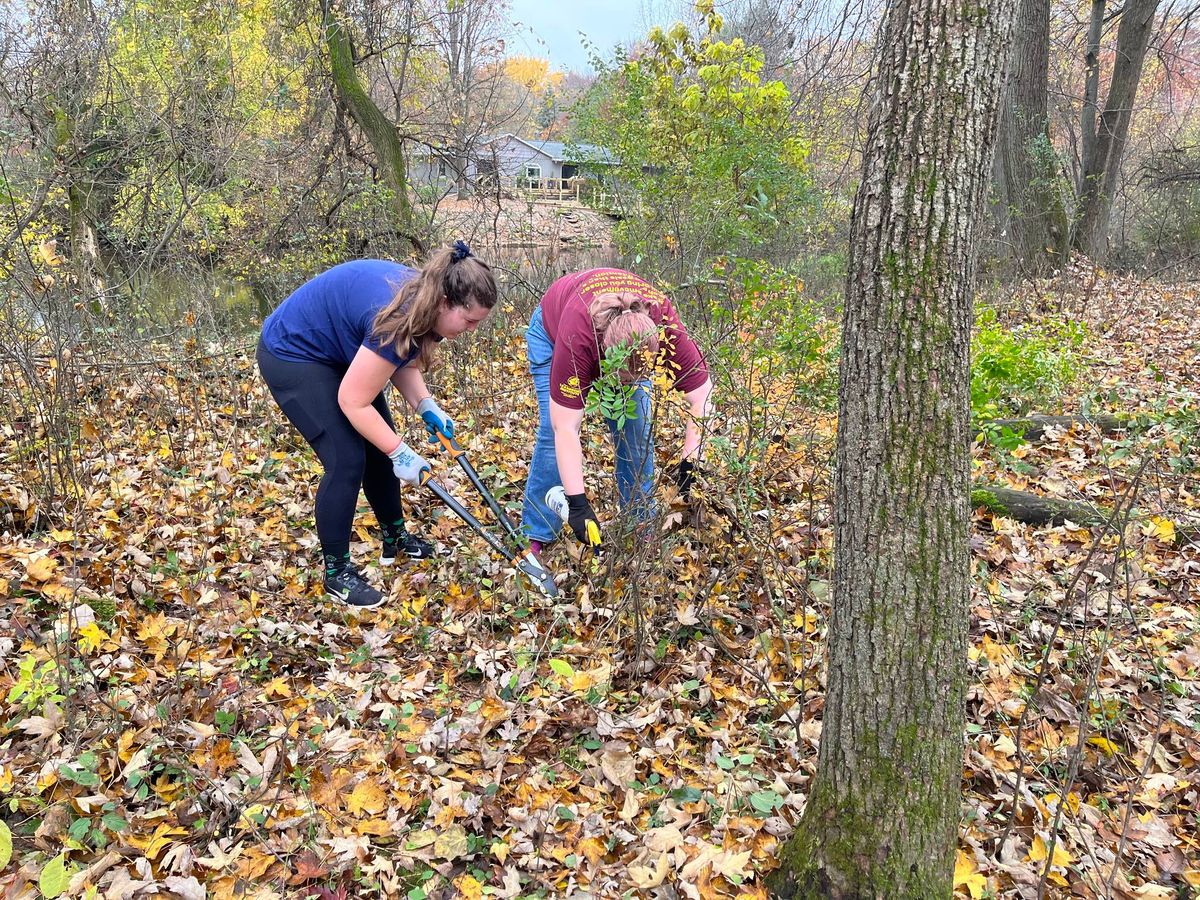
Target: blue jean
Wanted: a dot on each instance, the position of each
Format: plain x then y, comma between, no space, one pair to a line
634,444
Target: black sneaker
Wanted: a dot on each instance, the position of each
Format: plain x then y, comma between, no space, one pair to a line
349,587
401,542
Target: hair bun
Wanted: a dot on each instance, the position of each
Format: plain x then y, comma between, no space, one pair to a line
460,251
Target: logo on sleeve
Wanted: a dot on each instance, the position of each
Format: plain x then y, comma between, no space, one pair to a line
570,387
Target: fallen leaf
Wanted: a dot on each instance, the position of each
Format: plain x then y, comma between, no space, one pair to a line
722,862
1170,861
6,844
451,843
662,839
187,888
1039,851
1105,745
41,569
367,797
308,868
618,766
592,848
468,887
643,877
967,875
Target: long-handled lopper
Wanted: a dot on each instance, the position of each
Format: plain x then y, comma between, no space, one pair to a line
527,563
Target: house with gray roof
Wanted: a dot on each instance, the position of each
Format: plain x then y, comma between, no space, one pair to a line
515,159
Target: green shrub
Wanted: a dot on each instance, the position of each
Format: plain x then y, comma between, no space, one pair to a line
1016,370
776,325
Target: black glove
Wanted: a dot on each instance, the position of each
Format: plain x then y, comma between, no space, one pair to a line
579,516
685,472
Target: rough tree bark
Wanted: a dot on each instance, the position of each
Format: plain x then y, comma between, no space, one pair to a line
380,131
1104,145
1027,170
1091,85
882,813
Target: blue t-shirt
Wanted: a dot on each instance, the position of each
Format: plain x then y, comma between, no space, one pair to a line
328,318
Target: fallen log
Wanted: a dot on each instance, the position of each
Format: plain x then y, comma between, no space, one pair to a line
1033,428
1034,509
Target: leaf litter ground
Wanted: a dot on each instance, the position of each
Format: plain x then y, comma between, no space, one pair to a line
184,715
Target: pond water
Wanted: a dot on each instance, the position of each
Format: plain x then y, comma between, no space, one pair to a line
226,302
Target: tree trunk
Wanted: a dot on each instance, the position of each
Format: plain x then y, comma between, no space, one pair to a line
379,130
83,200
1091,87
882,813
1102,166
1027,168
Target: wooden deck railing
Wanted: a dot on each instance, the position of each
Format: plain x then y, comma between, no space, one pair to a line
597,196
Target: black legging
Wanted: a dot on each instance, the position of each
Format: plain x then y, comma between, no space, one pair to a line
307,394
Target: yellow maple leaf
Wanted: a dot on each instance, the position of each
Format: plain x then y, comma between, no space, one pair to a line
468,887
451,843
966,875
252,817
255,864
582,681
125,744
367,797
277,687
377,827
593,849
493,710
91,636
1039,851
41,569
1161,529
1107,746
159,841
1072,801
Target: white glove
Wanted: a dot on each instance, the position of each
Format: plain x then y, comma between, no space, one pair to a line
408,464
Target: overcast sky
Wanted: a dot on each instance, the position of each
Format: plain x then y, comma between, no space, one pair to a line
551,28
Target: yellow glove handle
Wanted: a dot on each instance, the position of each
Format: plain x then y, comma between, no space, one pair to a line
593,533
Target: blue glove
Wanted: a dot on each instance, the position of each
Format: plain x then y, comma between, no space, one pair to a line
435,419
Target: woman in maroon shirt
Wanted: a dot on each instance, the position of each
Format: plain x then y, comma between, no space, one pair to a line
580,318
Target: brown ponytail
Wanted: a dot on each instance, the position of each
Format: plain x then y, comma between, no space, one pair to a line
408,321
623,319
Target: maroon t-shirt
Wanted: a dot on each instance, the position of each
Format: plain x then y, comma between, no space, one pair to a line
575,365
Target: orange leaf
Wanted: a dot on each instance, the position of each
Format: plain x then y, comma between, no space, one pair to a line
41,569
308,868
593,849
367,797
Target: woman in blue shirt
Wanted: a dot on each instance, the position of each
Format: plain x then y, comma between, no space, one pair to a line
327,353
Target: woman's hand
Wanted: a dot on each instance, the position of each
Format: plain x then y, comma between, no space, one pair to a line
435,419
684,472
582,519
407,464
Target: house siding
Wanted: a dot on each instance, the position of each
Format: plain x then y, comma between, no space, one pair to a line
511,156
